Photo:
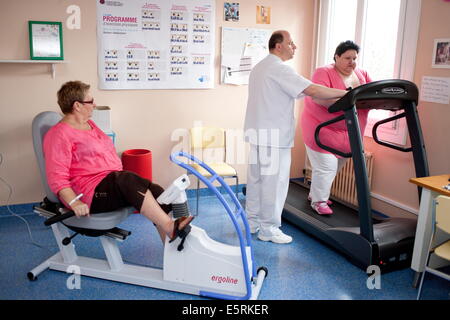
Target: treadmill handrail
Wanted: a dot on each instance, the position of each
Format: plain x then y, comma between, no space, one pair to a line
394,89
325,147
386,144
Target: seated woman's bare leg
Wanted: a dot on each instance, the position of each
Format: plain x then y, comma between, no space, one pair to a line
164,224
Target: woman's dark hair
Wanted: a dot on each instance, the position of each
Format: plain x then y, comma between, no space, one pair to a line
69,93
344,46
276,37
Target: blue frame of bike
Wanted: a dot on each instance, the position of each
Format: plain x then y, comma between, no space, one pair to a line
243,241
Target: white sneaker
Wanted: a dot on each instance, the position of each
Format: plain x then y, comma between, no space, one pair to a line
275,235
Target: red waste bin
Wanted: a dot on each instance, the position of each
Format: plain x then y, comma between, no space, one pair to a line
138,161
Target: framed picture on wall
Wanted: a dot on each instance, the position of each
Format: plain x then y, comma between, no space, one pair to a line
441,53
263,14
231,11
46,40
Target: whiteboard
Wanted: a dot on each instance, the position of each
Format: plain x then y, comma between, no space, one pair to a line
241,50
162,44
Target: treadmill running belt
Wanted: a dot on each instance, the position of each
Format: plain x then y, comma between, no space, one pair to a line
342,216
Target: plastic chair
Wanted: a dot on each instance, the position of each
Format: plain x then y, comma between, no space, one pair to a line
209,141
440,222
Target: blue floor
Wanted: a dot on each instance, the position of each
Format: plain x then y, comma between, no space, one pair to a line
303,270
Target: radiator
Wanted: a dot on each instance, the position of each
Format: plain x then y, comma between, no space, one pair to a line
344,186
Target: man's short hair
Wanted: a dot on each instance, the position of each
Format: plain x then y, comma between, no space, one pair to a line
276,37
69,93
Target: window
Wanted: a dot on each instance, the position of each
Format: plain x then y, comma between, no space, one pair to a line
387,32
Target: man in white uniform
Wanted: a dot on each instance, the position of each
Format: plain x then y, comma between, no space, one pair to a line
269,128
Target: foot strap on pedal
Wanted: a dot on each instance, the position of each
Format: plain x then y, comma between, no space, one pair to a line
183,234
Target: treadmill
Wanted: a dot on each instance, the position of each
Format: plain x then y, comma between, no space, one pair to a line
364,237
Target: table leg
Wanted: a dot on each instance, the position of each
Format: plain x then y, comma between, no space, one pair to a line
416,279
423,233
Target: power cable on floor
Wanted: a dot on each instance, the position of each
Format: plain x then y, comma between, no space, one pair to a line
15,214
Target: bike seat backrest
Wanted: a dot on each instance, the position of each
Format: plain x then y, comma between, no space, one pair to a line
41,124
100,221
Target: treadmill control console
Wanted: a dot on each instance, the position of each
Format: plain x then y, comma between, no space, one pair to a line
383,94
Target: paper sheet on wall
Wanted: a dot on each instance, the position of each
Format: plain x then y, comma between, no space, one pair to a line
242,49
435,89
157,44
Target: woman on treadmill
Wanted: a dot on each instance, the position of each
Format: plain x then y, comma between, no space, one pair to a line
342,74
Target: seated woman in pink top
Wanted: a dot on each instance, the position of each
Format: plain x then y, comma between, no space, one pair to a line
81,160
341,75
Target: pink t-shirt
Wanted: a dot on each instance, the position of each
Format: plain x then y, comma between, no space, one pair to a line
78,159
335,135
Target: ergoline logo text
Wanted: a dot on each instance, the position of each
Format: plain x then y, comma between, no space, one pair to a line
223,279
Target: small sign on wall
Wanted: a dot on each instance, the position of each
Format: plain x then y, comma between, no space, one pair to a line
435,89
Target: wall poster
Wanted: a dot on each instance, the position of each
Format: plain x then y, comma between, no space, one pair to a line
158,44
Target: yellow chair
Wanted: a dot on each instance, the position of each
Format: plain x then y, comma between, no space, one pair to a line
441,222
209,145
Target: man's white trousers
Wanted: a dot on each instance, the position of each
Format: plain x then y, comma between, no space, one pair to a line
267,185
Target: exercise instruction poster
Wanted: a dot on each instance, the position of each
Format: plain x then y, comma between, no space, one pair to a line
159,44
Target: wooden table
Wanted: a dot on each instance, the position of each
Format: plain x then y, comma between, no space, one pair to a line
431,188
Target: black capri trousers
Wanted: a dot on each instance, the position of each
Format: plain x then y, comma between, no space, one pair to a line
122,189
